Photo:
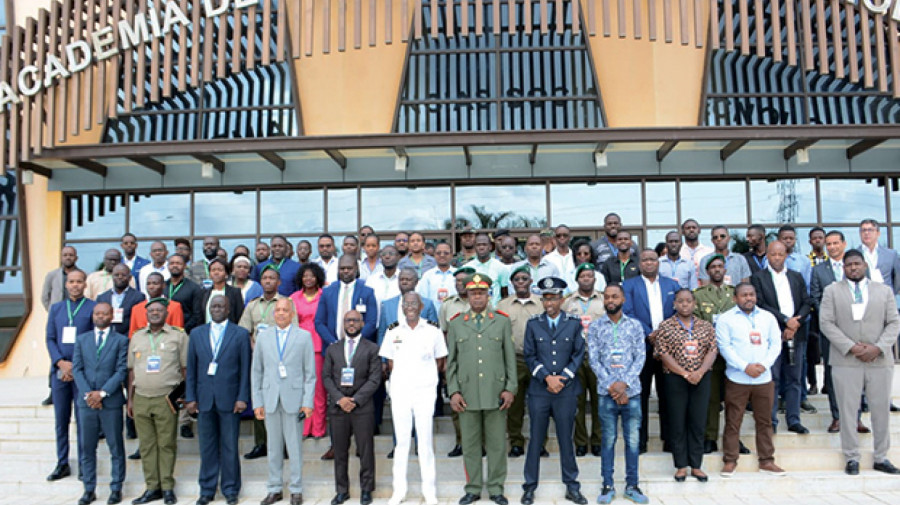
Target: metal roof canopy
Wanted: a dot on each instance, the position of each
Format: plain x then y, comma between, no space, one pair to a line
589,155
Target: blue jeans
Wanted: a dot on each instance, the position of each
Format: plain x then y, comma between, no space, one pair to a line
609,412
788,382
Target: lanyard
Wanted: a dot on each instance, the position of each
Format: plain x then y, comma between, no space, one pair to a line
615,327
218,343
153,341
264,313
622,269
282,343
75,313
279,264
206,267
761,264
689,330
175,292
584,305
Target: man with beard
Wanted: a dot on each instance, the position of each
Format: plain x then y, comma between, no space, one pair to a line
621,266
122,298
262,252
102,280
486,264
693,250
158,253
199,271
756,256
130,258
605,246
466,247
282,262
186,292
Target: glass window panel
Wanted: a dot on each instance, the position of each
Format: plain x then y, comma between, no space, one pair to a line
851,200
587,204
90,254
714,202
655,236
292,211
501,206
895,205
783,201
211,209
661,209
96,216
11,283
342,210
425,208
160,215
851,234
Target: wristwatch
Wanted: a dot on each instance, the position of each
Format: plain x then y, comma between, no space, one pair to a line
103,394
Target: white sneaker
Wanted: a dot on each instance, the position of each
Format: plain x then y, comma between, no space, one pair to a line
395,500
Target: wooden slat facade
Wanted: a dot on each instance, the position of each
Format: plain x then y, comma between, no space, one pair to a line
828,36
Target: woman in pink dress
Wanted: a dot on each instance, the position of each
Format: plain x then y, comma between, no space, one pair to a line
311,278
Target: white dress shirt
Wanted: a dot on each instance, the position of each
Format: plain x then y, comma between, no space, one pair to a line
345,291
783,291
330,267
871,256
654,297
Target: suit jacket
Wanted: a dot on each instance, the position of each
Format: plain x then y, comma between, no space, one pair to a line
879,326
132,297
554,352
366,375
389,309
889,266
299,387
54,290
59,319
231,383
637,305
235,303
103,371
767,298
326,313
822,276
481,364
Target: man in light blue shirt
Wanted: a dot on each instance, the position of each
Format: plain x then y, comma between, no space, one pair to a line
673,266
438,283
795,261
750,342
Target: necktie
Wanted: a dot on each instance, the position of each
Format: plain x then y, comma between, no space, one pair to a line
350,345
838,270
100,341
478,318
552,325
857,294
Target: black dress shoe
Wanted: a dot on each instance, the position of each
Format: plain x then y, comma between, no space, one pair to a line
365,498
886,467
390,455
469,498
798,429
204,500
87,497
271,498
852,468
581,450
544,453
595,450
710,446
894,408
258,451
742,449
135,455
680,478
169,497
46,402
515,451
499,499
642,449
701,477
187,431
576,497
340,498
667,447
60,472
231,500
528,498
114,498
148,497
456,452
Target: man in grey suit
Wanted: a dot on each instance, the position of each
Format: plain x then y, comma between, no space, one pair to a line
883,263
100,366
859,318
283,381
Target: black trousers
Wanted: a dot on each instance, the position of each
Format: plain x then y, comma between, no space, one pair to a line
652,368
686,404
360,426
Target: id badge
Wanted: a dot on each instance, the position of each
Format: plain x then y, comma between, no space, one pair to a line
585,322
261,327
69,333
207,283
857,309
691,348
212,368
727,280
361,308
755,337
442,294
153,364
347,376
282,371
617,358
118,315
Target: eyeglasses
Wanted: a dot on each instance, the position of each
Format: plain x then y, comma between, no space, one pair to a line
868,230
562,235
401,240
352,320
717,237
409,305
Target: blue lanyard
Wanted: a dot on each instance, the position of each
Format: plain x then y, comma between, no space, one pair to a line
218,343
689,330
282,343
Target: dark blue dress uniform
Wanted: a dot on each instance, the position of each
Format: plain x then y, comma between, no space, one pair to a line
556,350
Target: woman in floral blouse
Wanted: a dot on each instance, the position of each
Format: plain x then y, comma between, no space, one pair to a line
686,346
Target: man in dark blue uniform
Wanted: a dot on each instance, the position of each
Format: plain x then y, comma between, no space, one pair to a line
553,349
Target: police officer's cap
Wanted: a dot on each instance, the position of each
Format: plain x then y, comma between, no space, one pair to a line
520,269
159,299
584,266
477,281
713,258
552,286
464,270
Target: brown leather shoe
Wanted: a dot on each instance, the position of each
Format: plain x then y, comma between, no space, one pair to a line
728,469
271,498
862,428
297,499
835,426
329,454
771,468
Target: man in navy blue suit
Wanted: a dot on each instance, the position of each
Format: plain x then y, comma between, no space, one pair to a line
650,299
122,298
339,297
131,260
218,390
553,349
67,319
100,366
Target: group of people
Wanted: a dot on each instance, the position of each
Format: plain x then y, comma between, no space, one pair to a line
313,347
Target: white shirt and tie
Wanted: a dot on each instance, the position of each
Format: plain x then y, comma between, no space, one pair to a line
345,304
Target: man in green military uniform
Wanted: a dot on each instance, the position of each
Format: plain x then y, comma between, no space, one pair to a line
481,381
586,303
451,306
520,306
466,247
713,299
157,358
258,315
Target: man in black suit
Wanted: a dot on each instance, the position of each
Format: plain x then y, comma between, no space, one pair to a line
218,390
100,366
350,408
783,293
